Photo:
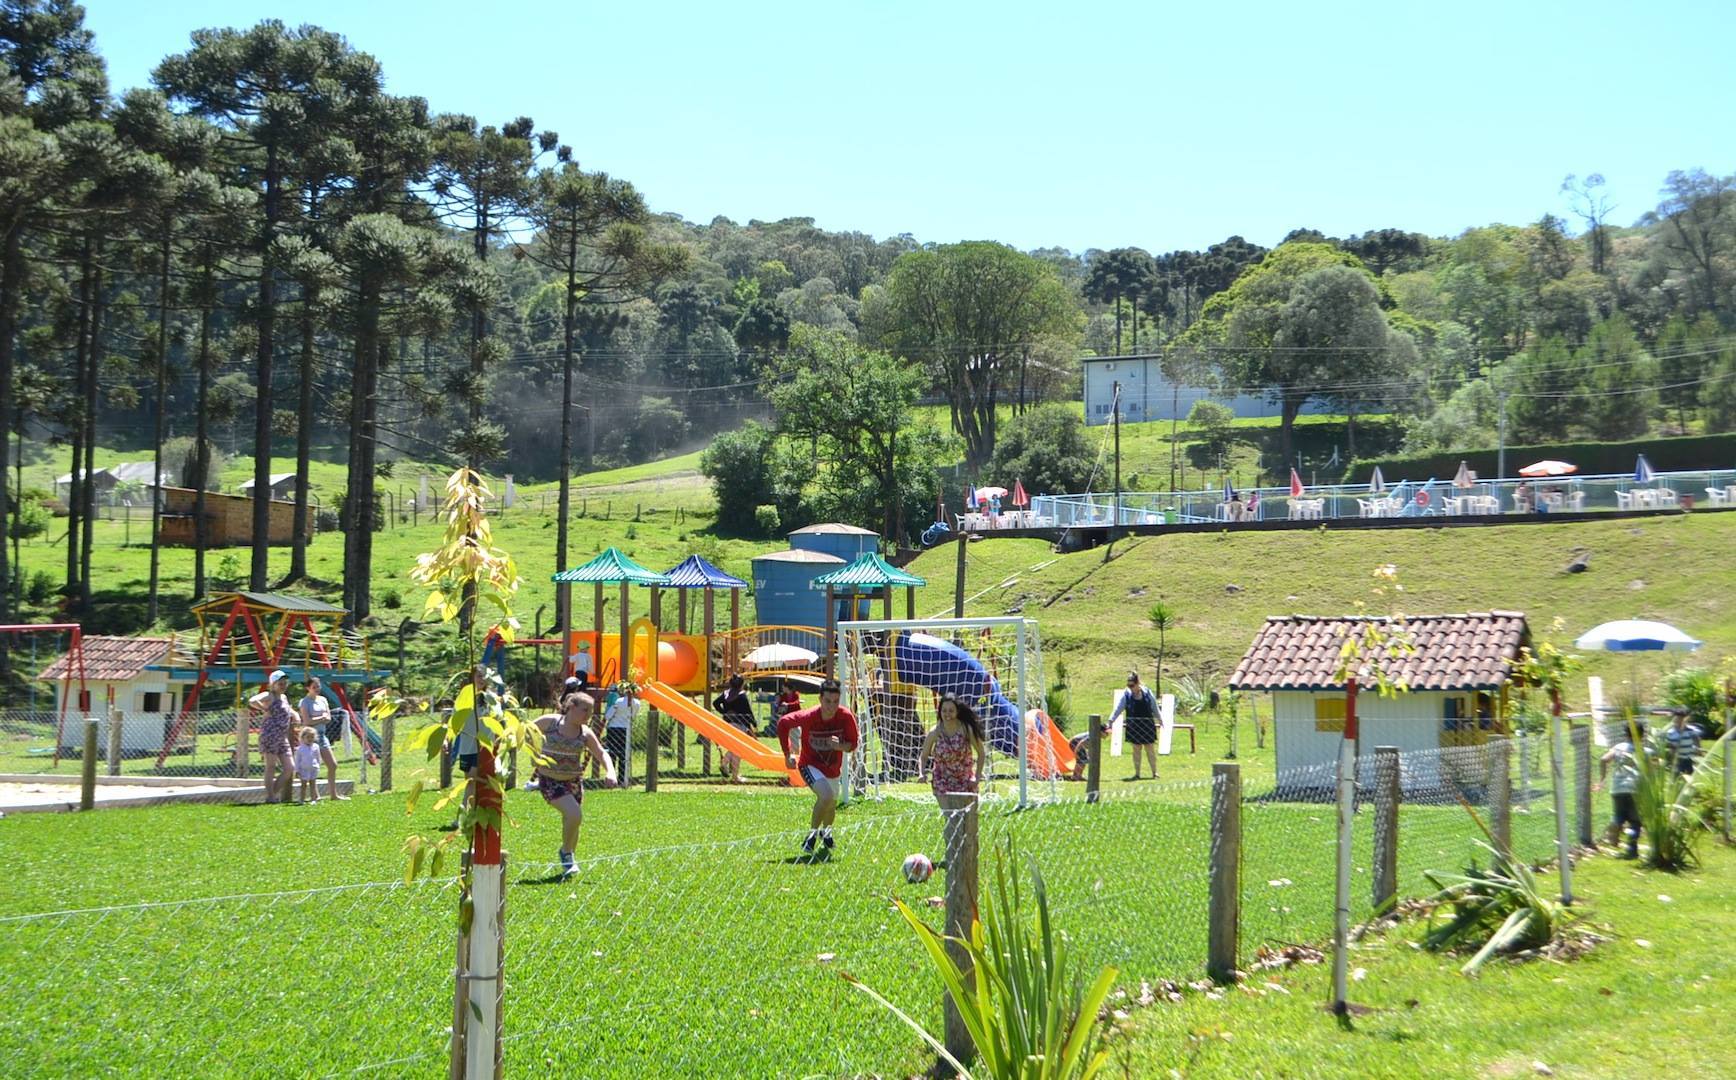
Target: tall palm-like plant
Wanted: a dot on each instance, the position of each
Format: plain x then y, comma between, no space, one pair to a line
1163,620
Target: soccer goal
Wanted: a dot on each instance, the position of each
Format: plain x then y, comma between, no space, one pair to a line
893,673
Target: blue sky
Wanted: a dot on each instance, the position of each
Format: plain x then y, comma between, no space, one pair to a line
1073,125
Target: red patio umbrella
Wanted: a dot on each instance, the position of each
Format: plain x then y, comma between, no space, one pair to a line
1295,484
1019,496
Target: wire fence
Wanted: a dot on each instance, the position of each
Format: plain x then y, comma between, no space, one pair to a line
719,958
42,757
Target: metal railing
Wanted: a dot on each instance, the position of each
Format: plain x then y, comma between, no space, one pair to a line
1404,499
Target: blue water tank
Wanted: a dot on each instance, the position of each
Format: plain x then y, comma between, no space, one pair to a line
844,542
780,587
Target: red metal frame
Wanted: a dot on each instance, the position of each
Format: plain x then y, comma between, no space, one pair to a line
74,656
269,658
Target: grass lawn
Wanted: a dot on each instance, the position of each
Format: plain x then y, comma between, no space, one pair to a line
1652,1000
696,941
1223,585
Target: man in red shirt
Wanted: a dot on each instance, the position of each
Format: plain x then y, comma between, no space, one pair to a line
828,733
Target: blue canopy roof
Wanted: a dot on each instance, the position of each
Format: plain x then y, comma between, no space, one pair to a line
695,573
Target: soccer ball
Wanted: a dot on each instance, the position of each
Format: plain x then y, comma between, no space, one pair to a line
917,868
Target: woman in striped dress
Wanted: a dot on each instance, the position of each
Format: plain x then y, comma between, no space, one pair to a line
567,738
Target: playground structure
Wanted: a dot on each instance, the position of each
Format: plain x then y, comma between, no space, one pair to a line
261,632
893,672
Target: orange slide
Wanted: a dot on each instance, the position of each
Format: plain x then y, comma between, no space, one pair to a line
711,726
1064,759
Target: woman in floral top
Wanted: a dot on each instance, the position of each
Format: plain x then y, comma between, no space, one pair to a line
274,733
955,750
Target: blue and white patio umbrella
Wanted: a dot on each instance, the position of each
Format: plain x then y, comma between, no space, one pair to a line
1636,635
1376,482
1229,492
1642,471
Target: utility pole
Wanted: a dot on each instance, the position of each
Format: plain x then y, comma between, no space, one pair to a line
1501,438
1115,526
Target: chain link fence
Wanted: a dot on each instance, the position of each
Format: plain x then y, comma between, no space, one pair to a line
725,958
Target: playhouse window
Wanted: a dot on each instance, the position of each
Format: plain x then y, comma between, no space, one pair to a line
153,701
1328,714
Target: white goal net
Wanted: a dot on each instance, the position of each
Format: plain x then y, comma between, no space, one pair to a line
894,673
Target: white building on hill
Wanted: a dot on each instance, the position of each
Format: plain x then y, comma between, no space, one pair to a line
1147,394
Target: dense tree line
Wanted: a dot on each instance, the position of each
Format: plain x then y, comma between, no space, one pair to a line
266,253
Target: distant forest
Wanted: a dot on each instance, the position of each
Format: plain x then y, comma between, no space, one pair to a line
265,250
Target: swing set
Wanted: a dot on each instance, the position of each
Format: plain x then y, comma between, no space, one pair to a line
261,632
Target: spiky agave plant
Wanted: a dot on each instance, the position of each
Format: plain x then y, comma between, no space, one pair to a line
1503,902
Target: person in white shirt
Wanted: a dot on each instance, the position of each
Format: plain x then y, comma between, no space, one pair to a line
619,715
583,666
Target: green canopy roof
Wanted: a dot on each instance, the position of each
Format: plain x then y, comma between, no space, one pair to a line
869,571
611,568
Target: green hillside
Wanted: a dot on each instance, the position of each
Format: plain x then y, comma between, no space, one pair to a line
1223,585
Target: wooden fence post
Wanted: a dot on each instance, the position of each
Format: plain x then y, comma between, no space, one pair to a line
960,818
1225,911
1582,782
445,766
87,785
1558,780
388,733
1728,773
1094,767
1387,795
117,721
1500,796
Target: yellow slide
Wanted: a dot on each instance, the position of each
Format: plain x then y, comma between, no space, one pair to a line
711,726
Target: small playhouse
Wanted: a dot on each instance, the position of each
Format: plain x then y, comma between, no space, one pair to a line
1460,676
119,673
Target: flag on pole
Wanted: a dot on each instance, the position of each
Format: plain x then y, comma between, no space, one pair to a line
1296,488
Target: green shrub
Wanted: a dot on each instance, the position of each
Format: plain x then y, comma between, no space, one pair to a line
735,463
1045,449
391,600
33,516
1214,421
41,587
765,519
1696,690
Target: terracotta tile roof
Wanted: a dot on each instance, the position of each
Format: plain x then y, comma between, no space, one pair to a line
1452,652
110,659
